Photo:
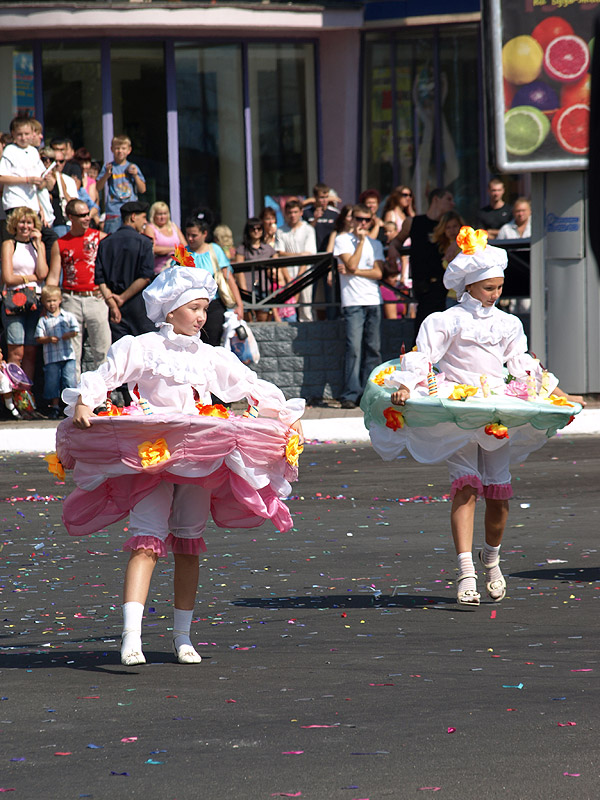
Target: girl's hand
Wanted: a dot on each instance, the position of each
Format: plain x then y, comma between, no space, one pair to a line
297,426
400,396
81,417
575,398
36,236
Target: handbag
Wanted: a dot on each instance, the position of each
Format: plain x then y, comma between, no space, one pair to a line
223,287
19,299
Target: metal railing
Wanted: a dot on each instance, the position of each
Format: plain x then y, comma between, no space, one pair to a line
261,296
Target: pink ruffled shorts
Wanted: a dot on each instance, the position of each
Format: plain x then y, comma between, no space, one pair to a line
484,470
172,517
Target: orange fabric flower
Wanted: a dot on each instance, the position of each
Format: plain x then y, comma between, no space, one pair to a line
497,430
471,241
461,391
559,401
183,257
152,453
54,466
393,418
111,410
380,377
213,411
293,450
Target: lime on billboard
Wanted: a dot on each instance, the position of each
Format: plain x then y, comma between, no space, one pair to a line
538,56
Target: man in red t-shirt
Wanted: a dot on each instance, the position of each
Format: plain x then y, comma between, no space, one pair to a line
74,254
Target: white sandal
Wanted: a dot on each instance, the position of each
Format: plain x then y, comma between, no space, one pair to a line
186,654
469,598
496,589
131,657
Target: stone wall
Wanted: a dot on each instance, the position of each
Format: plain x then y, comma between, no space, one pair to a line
306,359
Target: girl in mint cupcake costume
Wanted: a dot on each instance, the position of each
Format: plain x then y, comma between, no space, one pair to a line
470,344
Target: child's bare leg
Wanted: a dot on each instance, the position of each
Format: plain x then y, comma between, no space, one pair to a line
187,569
138,575
462,517
496,515
135,591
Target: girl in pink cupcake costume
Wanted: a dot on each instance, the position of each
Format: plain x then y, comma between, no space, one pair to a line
235,467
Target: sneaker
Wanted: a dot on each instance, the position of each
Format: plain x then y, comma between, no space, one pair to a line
54,413
348,404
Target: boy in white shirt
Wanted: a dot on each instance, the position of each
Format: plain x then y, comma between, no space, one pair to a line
21,171
360,269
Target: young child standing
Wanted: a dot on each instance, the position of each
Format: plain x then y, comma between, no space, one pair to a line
56,330
169,507
470,343
125,182
6,390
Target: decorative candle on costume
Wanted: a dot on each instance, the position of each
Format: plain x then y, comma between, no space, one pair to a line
485,386
431,382
531,387
545,387
145,406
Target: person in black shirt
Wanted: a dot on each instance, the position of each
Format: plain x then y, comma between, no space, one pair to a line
425,258
493,216
124,267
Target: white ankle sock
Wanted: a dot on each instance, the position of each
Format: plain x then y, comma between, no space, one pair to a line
466,567
182,622
132,626
488,556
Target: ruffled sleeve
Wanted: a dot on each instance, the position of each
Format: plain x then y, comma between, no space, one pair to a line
432,343
519,362
235,381
124,362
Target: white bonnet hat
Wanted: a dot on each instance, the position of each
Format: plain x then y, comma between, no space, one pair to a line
174,287
478,261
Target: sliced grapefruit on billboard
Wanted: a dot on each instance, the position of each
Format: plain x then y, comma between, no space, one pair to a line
567,59
551,28
571,128
525,129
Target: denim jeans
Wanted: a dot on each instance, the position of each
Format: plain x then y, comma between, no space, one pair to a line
363,347
58,375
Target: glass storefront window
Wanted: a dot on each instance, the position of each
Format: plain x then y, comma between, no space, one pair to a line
140,110
434,138
211,131
16,83
283,105
72,91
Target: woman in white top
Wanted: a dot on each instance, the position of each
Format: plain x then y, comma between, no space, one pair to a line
23,264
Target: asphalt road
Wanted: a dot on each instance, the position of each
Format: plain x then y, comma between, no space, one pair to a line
336,663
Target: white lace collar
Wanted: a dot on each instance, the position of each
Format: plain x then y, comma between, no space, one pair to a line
179,339
474,306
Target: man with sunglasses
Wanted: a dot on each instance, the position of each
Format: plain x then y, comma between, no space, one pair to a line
74,256
360,262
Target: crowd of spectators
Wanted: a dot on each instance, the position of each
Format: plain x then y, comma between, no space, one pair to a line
79,244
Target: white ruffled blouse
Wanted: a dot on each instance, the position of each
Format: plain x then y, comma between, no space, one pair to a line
165,366
466,342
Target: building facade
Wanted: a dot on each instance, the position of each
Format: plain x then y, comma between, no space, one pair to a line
234,106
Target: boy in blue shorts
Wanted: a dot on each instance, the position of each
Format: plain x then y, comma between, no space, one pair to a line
125,182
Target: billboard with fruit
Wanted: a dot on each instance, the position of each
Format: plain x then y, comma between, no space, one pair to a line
540,83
